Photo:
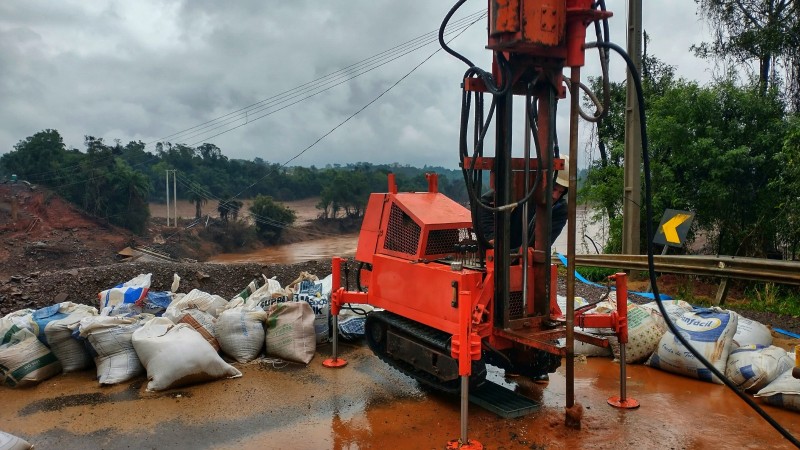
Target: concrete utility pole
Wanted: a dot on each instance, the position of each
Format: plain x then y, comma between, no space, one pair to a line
631,222
167,173
174,198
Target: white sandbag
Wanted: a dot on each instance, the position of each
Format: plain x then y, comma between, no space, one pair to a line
130,291
11,442
197,299
675,310
562,303
248,290
110,339
352,319
752,367
710,331
204,323
313,293
54,326
290,332
24,360
644,332
748,331
783,392
269,294
240,332
21,318
176,355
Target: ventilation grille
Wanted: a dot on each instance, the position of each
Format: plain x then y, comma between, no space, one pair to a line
403,233
443,241
516,307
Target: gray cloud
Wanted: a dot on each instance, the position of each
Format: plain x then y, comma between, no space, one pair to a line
147,69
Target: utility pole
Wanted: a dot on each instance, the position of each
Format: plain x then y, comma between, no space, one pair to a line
167,173
632,196
174,198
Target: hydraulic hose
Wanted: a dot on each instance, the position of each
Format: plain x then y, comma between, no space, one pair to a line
650,262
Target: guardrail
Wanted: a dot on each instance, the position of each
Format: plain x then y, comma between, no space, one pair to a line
724,267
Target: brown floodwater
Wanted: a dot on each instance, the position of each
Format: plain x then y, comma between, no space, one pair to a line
369,405
324,248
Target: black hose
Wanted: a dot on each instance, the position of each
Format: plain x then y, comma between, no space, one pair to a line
650,262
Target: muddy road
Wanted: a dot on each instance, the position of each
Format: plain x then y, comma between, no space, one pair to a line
369,405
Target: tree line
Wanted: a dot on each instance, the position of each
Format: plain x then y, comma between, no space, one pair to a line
115,182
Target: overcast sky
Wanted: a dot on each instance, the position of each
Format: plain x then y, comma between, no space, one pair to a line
147,69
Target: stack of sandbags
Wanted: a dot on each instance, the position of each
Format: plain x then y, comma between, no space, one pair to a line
110,340
176,355
54,326
24,360
710,331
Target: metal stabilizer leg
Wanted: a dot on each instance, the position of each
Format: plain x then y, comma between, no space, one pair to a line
336,305
464,442
623,401
335,362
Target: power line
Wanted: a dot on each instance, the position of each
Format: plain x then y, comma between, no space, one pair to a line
320,85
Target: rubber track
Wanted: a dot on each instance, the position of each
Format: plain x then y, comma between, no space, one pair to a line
430,337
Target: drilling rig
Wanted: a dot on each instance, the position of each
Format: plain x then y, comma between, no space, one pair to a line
459,288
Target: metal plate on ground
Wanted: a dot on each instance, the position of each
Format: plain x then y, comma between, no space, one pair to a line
501,401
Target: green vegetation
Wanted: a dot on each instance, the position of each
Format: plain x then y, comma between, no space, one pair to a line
115,182
597,274
781,299
271,217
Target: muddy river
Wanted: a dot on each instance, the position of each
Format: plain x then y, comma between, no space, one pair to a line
587,235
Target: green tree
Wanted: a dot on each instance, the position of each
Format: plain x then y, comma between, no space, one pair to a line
787,185
271,218
767,31
712,151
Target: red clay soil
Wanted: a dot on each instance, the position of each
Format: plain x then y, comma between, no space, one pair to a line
50,233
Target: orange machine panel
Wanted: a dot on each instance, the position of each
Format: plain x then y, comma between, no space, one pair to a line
421,292
368,237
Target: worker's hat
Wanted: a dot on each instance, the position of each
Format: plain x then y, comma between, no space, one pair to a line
563,175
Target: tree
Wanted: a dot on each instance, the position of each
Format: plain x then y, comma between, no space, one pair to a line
271,218
199,199
38,158
767,31
788,187
229,208
712,151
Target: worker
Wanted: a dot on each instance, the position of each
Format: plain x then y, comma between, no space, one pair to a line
558,217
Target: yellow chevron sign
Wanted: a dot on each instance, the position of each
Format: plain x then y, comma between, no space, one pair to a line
673,227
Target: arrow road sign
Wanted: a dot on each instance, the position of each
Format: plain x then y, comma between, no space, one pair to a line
673,228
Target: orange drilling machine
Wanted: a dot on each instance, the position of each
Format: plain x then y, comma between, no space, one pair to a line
460,288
